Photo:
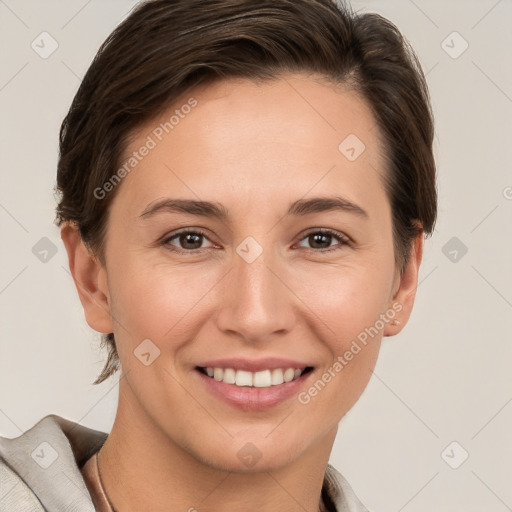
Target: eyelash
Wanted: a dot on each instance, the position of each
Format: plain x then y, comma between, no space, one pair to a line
343,239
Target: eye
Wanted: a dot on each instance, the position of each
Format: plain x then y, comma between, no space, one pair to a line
322,239
187,240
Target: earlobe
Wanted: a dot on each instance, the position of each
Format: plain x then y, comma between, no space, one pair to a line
402,301
90,280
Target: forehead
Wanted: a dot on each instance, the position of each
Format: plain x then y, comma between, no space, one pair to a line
258,140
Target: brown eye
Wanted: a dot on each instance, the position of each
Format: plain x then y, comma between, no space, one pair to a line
186,241
190,240
320,240
323,240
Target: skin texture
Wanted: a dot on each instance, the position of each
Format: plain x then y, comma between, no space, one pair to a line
254,148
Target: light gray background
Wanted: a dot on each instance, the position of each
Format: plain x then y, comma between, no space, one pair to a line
445,378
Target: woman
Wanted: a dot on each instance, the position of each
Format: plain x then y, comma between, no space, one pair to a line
245,189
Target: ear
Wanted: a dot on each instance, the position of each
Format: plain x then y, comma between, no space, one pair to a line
90,279
405,286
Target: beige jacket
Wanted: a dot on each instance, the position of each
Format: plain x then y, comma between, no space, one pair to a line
45,469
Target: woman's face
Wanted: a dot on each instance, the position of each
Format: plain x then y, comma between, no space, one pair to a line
279,255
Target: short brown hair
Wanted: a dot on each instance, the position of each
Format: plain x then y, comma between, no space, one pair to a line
165,47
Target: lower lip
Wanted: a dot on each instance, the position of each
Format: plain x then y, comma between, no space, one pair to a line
251,398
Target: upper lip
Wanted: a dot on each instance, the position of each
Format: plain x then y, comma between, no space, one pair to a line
254,365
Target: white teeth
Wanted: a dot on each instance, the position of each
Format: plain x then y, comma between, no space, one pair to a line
289,374
262,379
243,378
229,376
277,377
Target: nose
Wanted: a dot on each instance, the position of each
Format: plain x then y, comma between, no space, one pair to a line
257,301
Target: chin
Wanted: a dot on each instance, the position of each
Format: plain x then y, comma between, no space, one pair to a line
248,457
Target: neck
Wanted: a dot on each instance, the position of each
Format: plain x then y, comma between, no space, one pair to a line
142,468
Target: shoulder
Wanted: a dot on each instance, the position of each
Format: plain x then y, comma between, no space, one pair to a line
40,469
340,493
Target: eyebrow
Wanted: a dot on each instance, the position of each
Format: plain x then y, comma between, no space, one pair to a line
300,207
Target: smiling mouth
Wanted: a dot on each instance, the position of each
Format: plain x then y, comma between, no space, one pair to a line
261,379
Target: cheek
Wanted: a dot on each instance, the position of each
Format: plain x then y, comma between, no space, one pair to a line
348,309
158,301
344,299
